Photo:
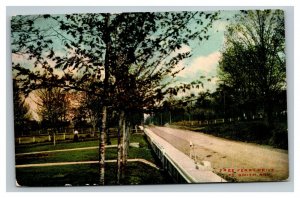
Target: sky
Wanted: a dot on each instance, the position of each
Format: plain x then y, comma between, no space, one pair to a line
205,57
203,61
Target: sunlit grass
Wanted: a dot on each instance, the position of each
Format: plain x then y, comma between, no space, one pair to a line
82,174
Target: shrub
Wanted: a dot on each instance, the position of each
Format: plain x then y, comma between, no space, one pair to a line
254,131
279,137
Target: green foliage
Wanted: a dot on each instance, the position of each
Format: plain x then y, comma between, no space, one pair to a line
251,131
279,137
21,117
253,62
135,51
52,105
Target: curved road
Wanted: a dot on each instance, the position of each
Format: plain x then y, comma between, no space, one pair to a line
235,161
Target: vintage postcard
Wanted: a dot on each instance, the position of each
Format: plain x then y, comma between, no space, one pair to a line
149,98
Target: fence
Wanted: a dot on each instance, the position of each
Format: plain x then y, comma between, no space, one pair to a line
84,133
49,138
215,121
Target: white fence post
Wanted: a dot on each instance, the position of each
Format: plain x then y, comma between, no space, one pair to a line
49,138
33,139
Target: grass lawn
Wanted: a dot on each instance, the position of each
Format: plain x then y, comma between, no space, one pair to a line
26,148
82,155
79,175
136,173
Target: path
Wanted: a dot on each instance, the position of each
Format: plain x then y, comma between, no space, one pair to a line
84,162
133,144
178,163
234,160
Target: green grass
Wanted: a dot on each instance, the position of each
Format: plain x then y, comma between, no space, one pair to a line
26,148
49,146
80,155
79,175
82,174
144,153
71,156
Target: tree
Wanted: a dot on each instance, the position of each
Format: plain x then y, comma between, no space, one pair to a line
52,106
90,106
127,59
20,110
142,59
253,60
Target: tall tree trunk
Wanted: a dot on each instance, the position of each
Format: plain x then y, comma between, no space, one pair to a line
107,41
102,147
128,139
108,142
123,147
125,144
268,109
119,159
94,130
126,136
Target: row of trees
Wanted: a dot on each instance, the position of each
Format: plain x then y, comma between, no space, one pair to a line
251,72
253,66
121,66
209,106
123,61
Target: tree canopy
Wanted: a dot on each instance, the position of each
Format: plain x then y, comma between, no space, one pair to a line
253,60
126,59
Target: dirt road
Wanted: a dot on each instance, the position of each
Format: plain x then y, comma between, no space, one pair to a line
235,161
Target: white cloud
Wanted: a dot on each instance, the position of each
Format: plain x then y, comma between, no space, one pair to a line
220,25
199,66
183,49
214,80
33,107
203,65
21,59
